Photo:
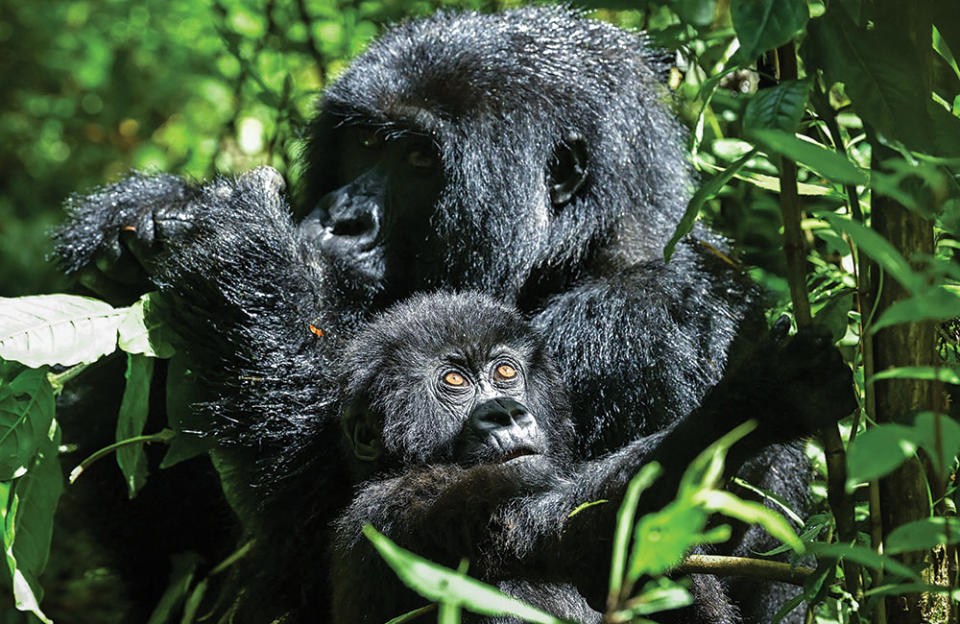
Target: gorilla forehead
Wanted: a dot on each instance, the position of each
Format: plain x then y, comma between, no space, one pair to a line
459,64
428,327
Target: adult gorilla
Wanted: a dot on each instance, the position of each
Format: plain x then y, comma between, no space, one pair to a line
528,155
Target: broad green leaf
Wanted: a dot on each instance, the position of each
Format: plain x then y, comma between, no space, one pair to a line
26,413
628,508
827,163
878,451
880,249
134,409
939,436
753,513
57,329
864,556
922,535
914,588
762,25
879,70
777,108
143,332
935,373
441,584
934,304
705,192
191,427
661,539
29,503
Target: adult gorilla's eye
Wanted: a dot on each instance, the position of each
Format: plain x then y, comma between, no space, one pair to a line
368,137
421,158
454,379
505,372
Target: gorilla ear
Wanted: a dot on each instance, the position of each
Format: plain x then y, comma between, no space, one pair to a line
363,439
568,169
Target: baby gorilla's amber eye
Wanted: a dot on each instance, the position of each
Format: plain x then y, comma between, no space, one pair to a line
505,371
454,379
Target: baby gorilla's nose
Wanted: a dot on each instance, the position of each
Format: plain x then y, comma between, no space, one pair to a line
501,413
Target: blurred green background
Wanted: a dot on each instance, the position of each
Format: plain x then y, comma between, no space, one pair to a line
92,88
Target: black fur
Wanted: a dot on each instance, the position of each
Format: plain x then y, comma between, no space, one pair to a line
527,155
511,517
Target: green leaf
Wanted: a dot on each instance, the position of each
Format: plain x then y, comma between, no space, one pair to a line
827,163
26,415
141,331
934,373
705,192
947,20
29,503
192,429
442,584
696,12
934,304
753,513
777,108
57,329
706,470
660,594
134,409
662,539
879,70
762,25
922,535
864,556
878,451
628,508
946,445
878,248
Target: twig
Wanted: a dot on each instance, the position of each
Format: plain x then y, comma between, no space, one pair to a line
745,566
163,436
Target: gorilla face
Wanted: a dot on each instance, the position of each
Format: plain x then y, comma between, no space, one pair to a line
373,222
497,157
452,379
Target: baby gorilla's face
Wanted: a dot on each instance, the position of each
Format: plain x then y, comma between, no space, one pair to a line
453,379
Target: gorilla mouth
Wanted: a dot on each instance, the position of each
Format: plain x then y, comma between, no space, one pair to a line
523,451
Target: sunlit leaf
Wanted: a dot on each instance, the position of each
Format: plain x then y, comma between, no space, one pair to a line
441,584
922,535
939,436
621,537
934,304
827,163
864,556
878,451
57,329
143,332
753,513
878,248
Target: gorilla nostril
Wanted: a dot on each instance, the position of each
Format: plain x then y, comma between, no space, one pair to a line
356,227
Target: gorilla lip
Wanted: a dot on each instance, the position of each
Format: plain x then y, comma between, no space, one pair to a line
523,451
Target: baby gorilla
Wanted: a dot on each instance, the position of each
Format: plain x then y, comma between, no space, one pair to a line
461,433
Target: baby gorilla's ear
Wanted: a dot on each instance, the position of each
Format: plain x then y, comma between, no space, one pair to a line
362,433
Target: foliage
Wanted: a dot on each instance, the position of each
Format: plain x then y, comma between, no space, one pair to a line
871,116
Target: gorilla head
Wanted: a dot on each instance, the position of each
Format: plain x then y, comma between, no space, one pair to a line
554,151
452,379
